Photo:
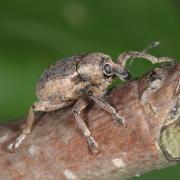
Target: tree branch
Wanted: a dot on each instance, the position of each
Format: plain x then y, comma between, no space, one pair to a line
57,150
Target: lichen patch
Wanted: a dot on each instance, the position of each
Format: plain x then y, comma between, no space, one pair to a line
118,162
3,136
69,175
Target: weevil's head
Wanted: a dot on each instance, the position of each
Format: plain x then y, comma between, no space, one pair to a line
111,69
99,68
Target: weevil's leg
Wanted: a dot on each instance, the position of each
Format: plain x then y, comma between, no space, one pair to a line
78,107
38,106
122,59
26,130
103,104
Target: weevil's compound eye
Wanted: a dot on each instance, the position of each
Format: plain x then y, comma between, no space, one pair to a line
107,69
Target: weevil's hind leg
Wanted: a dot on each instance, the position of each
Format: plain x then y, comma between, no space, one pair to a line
38,106
122,59
103,104
26,130
78,107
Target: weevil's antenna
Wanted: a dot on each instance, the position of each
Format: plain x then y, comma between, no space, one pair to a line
152,45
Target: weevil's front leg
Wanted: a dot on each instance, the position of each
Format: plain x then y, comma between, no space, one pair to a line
38,106
122,59
106,106
78,107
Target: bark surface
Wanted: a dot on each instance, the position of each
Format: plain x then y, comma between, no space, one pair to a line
57,150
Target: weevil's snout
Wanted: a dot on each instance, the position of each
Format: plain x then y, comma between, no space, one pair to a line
122,73
126,75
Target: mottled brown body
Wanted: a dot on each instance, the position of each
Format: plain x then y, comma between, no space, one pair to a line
67,80
77,80
61,81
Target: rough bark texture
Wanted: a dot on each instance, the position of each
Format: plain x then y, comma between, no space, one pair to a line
56,149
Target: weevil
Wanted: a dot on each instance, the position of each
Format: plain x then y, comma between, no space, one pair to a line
75,81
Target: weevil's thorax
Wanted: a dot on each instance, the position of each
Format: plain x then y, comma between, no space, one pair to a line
90,69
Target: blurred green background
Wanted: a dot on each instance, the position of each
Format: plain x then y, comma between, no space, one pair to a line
34,34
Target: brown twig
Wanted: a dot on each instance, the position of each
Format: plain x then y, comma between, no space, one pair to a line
57,150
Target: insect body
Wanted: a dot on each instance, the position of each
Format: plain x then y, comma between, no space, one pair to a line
75,81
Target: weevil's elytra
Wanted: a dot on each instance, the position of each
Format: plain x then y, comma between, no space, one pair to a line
58,76
77,80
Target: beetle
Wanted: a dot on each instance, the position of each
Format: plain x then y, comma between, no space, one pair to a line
75,81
